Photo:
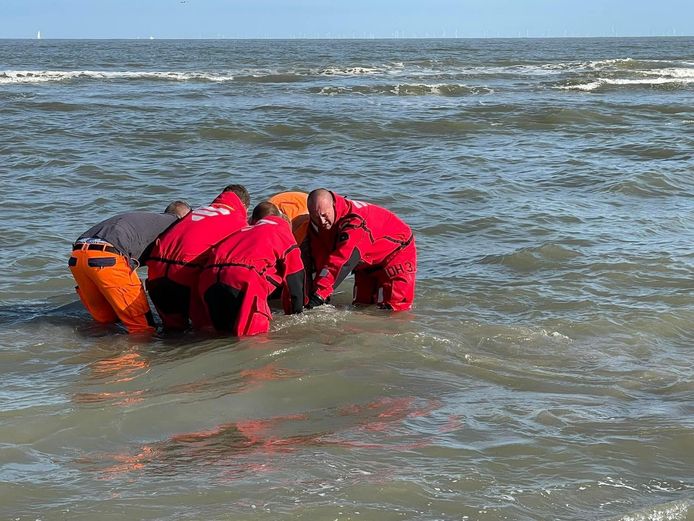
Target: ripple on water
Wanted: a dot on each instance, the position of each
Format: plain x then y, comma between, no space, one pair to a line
547,256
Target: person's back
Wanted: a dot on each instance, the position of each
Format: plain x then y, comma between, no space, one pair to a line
179,255
291,204
131,233
245,268
259,245
202,228
294,206
104,262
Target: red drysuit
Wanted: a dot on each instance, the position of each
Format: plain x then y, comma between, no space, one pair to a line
179,255
244,269
373,243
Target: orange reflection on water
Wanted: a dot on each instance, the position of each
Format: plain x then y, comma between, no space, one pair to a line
454,423
267,373
124,366
120,398
257,431
126,463
224,444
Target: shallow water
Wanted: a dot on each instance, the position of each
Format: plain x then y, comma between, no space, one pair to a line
544,373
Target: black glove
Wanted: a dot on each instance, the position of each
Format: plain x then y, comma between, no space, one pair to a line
314,301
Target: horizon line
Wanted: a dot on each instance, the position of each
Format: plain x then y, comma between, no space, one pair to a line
564,37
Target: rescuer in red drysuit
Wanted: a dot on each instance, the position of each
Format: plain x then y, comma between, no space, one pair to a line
246,267
352,236
179,255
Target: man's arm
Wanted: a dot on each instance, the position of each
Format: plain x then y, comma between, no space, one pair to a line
340,262
294,279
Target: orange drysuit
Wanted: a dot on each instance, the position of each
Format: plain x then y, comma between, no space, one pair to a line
293,205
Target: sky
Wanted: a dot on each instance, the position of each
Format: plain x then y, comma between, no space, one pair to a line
344,19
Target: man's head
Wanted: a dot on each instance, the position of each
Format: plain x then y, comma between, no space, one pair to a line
264,209
178,208
241,192
321,208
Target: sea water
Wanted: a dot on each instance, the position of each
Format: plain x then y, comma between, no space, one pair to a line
545,371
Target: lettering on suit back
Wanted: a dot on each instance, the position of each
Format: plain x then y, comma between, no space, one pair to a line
396,269
209,211
258,223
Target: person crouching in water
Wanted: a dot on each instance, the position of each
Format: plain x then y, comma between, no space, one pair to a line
180,253
246,267
349,236
104,261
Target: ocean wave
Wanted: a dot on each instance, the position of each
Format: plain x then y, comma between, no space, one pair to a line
9,77
672,77
639,64
623,65
547,256
358,71
247,75
650,184
406,89
674,70
673,511
606,83
269,77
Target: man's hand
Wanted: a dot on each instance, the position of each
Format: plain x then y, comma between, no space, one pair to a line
314,301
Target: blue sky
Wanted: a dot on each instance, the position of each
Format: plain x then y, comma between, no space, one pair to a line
343,19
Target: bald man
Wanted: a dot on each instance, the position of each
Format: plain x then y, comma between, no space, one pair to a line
349,236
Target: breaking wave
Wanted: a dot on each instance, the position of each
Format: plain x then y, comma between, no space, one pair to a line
443,89
56,76
249,75
605,83
447,75
633,73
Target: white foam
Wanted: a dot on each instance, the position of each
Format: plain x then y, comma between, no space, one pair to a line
616,483
601,82
668,512
625,65
50,76
324,314
410,89
601,64
672,72
350,71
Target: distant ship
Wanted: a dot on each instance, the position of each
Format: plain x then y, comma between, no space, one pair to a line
38,35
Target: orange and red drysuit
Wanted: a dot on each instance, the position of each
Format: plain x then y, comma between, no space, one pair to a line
375,245
104,262
179,255
244,269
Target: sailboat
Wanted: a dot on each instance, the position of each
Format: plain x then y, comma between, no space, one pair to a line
38,35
